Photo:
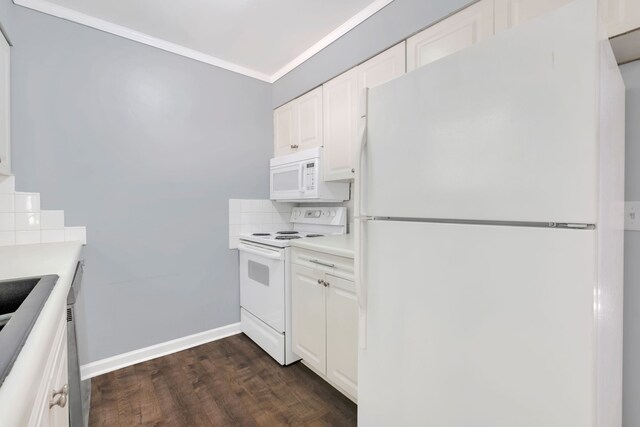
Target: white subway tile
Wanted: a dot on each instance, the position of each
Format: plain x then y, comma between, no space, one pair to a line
234,217
52,220
49,236
265,218
245,228
234,230
233,242
7,238
256,205
245,218
7,203
27,237
7,184
235,205
7,222
284,207
245,205
27,221
27,202
75,234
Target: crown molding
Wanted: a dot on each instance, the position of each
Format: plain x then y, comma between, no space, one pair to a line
118,30
48,8
343,29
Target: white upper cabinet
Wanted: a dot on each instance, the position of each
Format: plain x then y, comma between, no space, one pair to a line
5,131
345,103
455,33
619,16
340,119
378,70
297,125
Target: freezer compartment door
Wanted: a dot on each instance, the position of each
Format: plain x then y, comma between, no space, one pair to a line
472,325
505,130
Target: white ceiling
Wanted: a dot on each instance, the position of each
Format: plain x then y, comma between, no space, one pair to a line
261,38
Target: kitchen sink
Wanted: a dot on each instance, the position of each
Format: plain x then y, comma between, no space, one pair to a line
21,301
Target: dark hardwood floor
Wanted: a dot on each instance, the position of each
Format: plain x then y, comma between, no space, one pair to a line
230,382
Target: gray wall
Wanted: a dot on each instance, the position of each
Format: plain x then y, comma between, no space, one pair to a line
631,407
144,148
391,25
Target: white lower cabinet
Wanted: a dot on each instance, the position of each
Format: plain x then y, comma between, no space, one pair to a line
309,317
325,317
51,407
342,333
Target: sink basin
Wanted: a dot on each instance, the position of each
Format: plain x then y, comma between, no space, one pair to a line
21,301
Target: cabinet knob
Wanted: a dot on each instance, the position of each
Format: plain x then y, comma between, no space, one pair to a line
320,282
326,284
59,397
353,170
294,146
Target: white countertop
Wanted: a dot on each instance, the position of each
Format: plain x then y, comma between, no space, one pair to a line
340,245
18,391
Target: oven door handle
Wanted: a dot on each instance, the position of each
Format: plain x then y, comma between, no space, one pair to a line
254,250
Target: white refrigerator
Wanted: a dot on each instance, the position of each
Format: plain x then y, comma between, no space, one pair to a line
490,234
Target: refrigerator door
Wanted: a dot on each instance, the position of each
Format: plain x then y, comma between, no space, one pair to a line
505,130
474,325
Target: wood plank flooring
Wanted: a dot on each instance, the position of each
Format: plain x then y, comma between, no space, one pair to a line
230,382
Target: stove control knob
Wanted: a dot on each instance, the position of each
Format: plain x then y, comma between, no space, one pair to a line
325,213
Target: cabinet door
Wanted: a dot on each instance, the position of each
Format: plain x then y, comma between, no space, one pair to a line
620,16
309,114
5,132
380,69
511,13
342,334
284,129
59,414
309,317
340,120
455,33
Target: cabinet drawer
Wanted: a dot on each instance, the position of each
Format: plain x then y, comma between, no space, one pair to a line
326,263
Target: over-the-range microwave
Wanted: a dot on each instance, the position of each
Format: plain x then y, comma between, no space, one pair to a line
299,178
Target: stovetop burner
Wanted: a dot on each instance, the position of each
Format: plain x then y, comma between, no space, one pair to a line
261,234
287,237
287,232
314,235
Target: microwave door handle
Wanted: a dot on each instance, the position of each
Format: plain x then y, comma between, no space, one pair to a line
301,186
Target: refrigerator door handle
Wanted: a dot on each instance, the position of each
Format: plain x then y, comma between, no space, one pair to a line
359,241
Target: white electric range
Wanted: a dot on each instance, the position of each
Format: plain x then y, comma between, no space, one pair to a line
265,278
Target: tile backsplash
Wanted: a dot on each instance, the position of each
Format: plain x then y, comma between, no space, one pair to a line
23,222
253,215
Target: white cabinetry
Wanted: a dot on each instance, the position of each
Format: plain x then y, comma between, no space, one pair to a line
51,407
342,333
5,132
345,104
325,317
619,16
297,125
455,33
309,317
340,114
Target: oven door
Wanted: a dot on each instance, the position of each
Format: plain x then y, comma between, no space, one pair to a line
262,283
287,181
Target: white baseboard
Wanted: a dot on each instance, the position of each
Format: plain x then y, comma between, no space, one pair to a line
119,361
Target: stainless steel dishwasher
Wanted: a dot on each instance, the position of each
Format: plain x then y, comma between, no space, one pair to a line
79,391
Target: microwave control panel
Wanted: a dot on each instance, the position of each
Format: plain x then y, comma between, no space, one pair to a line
310,176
